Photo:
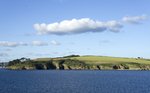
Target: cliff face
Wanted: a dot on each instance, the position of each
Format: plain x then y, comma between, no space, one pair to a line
74,64
62,64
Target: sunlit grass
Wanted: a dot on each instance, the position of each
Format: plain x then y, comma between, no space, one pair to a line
105,59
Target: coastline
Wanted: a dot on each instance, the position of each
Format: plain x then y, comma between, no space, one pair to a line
80,63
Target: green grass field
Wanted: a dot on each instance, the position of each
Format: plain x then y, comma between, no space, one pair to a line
103,60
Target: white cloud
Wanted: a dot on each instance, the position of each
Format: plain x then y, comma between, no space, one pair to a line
114,26
39,43
53,42
16,44
76,26
11,44
134,19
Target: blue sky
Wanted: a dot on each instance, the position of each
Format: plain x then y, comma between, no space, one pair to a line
50,28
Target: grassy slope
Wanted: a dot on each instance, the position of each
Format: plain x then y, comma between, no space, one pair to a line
104,60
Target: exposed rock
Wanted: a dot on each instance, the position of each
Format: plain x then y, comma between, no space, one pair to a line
23,68
39,66
50,65
116,67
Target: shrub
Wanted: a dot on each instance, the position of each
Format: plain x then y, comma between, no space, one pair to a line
72,56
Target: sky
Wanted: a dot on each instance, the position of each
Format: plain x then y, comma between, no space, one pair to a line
54,28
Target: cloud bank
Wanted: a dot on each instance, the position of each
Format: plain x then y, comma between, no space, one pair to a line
83,25
76,26
16,44
134,19
32,43
11,44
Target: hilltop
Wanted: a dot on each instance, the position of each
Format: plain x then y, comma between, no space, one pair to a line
76,62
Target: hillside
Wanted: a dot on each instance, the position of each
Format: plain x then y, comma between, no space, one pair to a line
85,63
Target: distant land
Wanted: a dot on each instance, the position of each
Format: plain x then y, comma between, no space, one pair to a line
77,62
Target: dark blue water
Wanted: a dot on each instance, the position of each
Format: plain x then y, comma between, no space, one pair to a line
54,81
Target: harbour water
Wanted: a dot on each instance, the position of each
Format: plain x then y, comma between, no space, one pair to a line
74,81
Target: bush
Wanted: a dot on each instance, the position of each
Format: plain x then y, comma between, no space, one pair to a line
72,56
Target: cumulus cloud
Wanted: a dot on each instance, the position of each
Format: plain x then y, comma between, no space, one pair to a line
113,26
76,26
53,42
39,43
134,19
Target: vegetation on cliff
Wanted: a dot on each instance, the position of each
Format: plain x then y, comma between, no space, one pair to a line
76,62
